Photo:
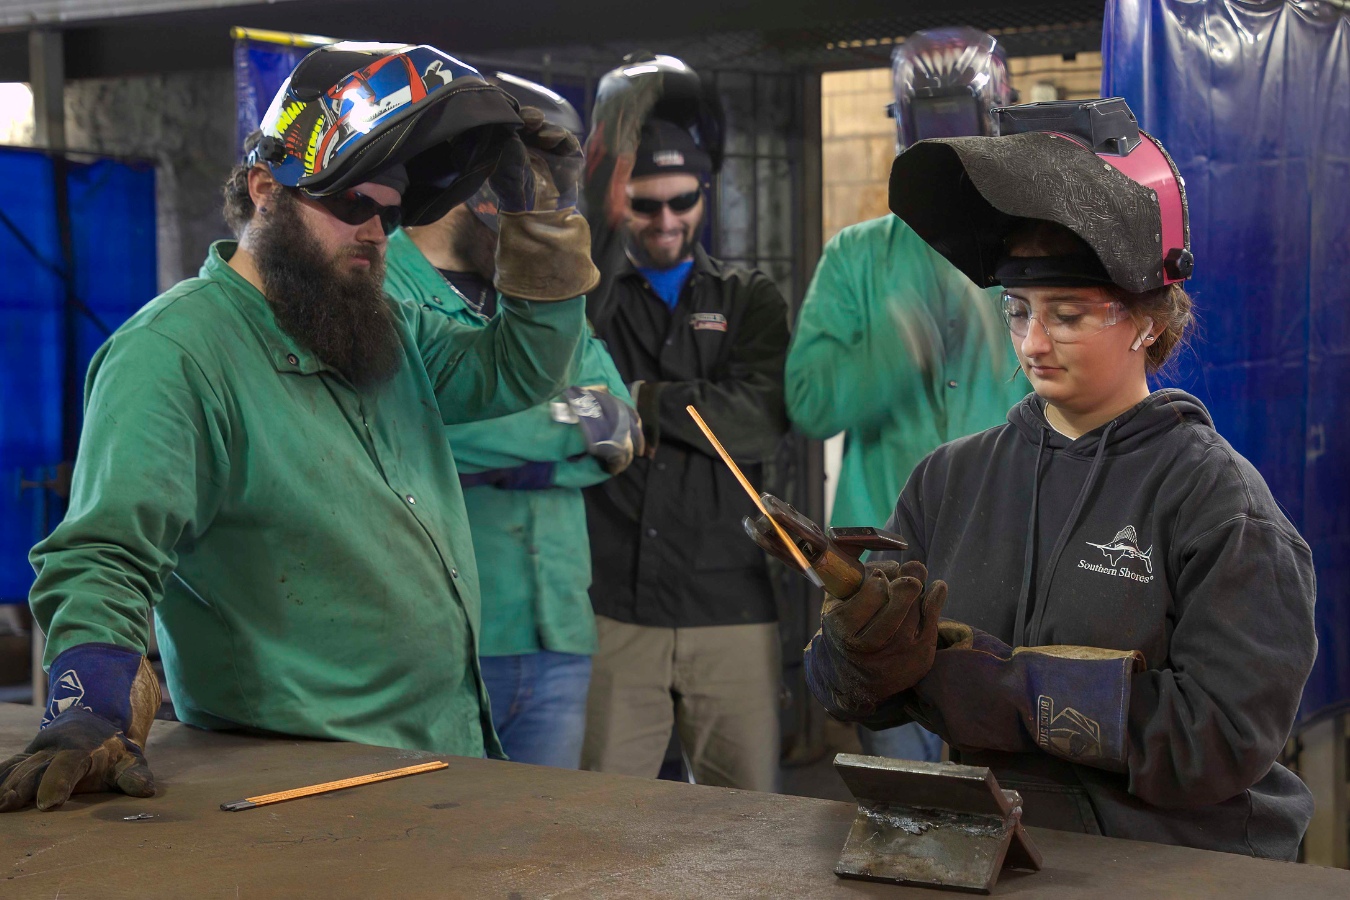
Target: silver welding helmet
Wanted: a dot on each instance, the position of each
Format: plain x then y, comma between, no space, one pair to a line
946,80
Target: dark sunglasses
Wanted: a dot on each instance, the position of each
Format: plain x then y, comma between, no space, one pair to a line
649,206
355,208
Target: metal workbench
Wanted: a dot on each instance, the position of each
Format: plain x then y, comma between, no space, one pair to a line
502,830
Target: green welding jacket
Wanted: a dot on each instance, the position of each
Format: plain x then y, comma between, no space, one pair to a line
532,547
304,544
901,352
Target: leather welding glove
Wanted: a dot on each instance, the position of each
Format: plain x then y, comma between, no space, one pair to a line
103,701
1070,702
543,243
877,643
612,428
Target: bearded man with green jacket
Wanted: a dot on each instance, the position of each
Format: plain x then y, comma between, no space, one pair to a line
263,458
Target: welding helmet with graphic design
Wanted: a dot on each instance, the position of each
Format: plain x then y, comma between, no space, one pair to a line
946,81
350,114
557,111
1084,165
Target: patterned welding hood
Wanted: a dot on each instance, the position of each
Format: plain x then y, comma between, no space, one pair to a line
348,115
946,81
1084,165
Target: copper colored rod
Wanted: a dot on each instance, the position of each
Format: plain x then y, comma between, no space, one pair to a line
745,483
280,796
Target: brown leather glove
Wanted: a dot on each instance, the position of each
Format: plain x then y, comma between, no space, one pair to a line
879,642
543,243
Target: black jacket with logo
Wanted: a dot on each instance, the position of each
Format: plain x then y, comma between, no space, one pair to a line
1150,533
667,546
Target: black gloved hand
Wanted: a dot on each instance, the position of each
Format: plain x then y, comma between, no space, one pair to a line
103,701
612,428
539,169
879,642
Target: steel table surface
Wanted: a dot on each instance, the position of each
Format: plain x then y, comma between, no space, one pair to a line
484,828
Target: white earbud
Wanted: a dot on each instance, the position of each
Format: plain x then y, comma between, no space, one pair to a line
1143,335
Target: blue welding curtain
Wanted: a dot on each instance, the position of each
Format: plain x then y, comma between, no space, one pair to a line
259,70
1252,99
112,215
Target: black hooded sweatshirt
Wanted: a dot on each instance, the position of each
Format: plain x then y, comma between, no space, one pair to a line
1149,533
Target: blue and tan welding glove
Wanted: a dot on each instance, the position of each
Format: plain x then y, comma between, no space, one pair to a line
612,428
543,243
1070,702
877,643
92,738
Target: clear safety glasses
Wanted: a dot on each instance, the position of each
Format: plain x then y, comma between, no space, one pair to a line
1064,321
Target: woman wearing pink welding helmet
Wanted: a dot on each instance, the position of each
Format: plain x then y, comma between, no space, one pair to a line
1129,613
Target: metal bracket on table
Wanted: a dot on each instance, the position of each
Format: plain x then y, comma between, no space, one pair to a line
936,824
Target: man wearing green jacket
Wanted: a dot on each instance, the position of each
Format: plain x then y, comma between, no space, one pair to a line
522,476
895,347
263,457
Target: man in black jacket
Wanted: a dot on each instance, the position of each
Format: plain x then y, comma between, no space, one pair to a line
685,611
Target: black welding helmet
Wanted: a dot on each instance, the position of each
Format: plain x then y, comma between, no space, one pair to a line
946,81
654,86
1084,165
557,110
411,116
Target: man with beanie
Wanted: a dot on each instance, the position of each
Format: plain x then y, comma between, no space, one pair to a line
685,611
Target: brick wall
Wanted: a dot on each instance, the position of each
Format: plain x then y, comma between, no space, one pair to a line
858,140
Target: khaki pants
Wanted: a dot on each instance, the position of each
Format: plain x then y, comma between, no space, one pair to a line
717,685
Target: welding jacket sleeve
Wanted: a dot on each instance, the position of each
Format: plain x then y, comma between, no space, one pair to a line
151,474
536,436
524,356
743,401
884,319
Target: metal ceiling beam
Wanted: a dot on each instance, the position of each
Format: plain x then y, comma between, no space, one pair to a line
30,13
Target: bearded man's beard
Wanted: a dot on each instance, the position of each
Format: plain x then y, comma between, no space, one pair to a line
641,256
342,317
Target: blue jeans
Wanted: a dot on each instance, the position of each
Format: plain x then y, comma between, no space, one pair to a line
539,705
911,741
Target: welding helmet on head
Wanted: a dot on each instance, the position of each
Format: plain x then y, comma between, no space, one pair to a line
946,81
1084,165
655,86
557,111
350,114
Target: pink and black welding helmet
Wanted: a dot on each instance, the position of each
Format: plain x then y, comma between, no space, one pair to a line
1084,165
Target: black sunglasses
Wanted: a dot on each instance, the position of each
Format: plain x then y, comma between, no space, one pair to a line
355,208
650,206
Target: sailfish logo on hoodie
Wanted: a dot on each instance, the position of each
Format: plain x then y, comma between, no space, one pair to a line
1125,544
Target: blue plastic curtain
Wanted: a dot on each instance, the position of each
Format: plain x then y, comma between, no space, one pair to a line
112,221
259,69
1252,99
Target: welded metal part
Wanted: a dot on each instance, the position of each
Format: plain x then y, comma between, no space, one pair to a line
937,824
